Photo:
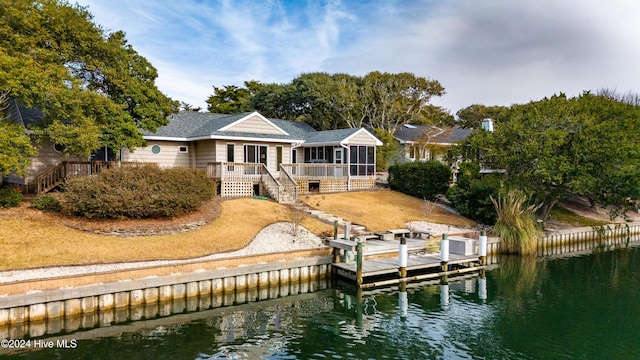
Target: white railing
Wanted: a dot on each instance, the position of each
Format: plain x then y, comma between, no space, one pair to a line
235,171
270,183
289,185
316,170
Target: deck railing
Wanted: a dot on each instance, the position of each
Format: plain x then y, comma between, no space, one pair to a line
316,170
271,185
230,171
69,169
289,185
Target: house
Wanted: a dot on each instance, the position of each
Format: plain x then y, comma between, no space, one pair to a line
426,142
247,154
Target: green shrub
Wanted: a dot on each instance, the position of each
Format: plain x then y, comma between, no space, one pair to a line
140,192
9,197
46,203
420,179
472,199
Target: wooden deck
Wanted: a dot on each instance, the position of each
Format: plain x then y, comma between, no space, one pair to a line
389,266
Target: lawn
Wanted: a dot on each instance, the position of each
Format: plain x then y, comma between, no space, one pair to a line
33,239
382,210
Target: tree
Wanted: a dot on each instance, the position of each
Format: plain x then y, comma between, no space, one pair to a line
560,146
15,145
86,81
393,100
471,117
228,99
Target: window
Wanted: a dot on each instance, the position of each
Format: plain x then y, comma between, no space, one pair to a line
155,149
318,154
59,147
183,149
231,153
363,160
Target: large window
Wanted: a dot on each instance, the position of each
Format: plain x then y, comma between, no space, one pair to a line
363,160
231,150
318,154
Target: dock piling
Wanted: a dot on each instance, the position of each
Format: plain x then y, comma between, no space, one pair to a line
403,302
444,252
359,263
335,229
403,257
482,247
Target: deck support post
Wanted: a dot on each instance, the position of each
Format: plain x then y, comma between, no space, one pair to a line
359,263
403,255
482,247
347,230
444,252
335,230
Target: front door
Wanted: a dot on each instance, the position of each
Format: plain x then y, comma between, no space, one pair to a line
337,159
255,154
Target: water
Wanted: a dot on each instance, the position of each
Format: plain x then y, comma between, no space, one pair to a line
571,308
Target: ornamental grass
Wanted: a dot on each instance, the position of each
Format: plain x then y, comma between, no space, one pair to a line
516,224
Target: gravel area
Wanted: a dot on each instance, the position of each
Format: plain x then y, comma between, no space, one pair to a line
437,228
272,239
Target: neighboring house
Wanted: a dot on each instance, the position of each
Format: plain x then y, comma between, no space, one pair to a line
425,142
247,154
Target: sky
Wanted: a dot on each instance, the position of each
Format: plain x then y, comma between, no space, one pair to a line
490,52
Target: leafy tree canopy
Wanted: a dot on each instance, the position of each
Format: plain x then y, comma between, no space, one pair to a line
471,117
93,88
334,101
557,146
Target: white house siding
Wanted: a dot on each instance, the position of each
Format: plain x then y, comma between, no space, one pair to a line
362,138
169,155
255,125
205,153
47,158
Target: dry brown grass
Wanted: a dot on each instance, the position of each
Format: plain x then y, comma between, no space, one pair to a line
34,239
31,238
381,210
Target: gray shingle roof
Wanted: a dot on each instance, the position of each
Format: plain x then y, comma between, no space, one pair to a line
18,113
188,125
416,132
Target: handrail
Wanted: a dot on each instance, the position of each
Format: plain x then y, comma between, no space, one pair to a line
51,177
270,183
56,175
289,184
305,170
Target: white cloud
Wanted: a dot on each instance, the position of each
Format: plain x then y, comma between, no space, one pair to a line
482,51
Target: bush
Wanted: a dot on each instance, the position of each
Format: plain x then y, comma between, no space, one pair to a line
516,224
140,192
9,197
420,179
46,203
472,199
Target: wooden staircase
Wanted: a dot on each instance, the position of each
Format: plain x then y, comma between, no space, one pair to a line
59,173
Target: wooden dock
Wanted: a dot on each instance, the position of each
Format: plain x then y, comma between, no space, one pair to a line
389,266
378,261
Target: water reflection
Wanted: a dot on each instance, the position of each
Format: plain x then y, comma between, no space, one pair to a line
528,308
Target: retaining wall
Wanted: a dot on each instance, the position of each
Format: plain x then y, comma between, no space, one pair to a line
38,300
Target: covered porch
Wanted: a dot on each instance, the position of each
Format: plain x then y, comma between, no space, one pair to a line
249,179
